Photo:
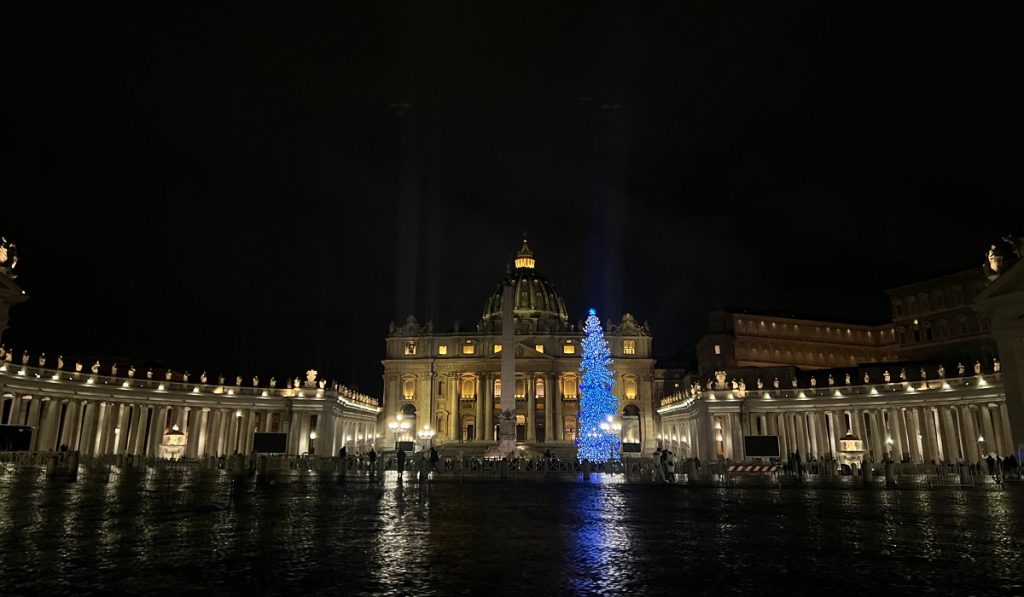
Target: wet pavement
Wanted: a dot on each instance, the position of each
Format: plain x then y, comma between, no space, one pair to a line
173,533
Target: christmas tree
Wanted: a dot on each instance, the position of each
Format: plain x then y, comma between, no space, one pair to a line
597,404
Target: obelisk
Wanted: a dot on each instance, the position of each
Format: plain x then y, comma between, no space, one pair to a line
507,417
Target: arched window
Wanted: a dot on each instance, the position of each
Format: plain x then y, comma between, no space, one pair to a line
497,387
569,387
409,410
409,388
520,387
539,387
629,387
468,387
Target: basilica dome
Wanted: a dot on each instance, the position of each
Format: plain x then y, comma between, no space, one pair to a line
536,299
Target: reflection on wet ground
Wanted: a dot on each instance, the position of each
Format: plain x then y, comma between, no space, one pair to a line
161,532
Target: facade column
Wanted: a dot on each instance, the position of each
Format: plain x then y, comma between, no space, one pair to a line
737,437
1007,445
481,398
48,429
878,445
117,428
785,448
531,407
929,445
989,445
454,430
140,418
87,441
707,432
559,428
156,431
34,408
232,433
897,429
914,435
13,417
801,436
857,424
202,434
951,445
489,405
970,434
549,405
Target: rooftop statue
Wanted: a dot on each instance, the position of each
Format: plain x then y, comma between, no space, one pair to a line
961,369
995,365
310,377
78,366
273,382
848,381
168,375
977,367
42,359
113,370
184,377
202,377
942,371
831,380
24,358
255,381
775,383
131,371
60,362
95,367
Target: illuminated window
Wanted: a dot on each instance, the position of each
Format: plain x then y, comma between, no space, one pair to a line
569,347
569,387
569,428
630,388
497,387
718,349
539,347
497,348
468,348
409,388
410,348
539,389
468,387
629,347
520,388
443,349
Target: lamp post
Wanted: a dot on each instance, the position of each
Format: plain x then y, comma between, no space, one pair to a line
427,435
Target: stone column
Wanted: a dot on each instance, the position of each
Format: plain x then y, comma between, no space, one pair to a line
243,425
785,449
482,383
1008,439
559,430
531,407
72,420
878,445
950,440
489,405
970,434
801,436
549,405
737,437
232,433
156,431
13,417
914,435
33,421
899,447
48,428
202,435
137,440
929,444
117,439
455,409
990,444
87,441
707,433
857,421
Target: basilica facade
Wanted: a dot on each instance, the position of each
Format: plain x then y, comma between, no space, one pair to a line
444,388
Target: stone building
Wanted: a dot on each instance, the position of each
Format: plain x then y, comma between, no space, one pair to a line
444,387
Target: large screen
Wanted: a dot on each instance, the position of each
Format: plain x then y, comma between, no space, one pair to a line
15,438
761,446
270,443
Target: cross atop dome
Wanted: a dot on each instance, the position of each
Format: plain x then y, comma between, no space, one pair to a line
524,259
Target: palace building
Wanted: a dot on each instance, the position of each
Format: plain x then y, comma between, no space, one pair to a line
445,386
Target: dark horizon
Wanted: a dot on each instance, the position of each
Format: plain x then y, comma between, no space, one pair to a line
237,193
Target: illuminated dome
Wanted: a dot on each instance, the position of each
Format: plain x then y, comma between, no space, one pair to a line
538,302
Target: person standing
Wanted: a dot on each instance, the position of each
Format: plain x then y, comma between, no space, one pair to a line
659,471
401,463
372,457
433,459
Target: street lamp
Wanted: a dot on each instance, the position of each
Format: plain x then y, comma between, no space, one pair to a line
427,435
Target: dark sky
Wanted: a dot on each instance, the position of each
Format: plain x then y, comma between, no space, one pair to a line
230,189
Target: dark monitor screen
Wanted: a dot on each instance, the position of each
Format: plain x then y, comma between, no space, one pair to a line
761,446
15,438
270,443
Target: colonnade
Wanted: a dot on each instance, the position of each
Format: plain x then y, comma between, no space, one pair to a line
964,426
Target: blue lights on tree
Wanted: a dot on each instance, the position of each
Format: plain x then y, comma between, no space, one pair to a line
597,404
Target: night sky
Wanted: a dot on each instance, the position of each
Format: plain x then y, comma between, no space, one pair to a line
229,190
